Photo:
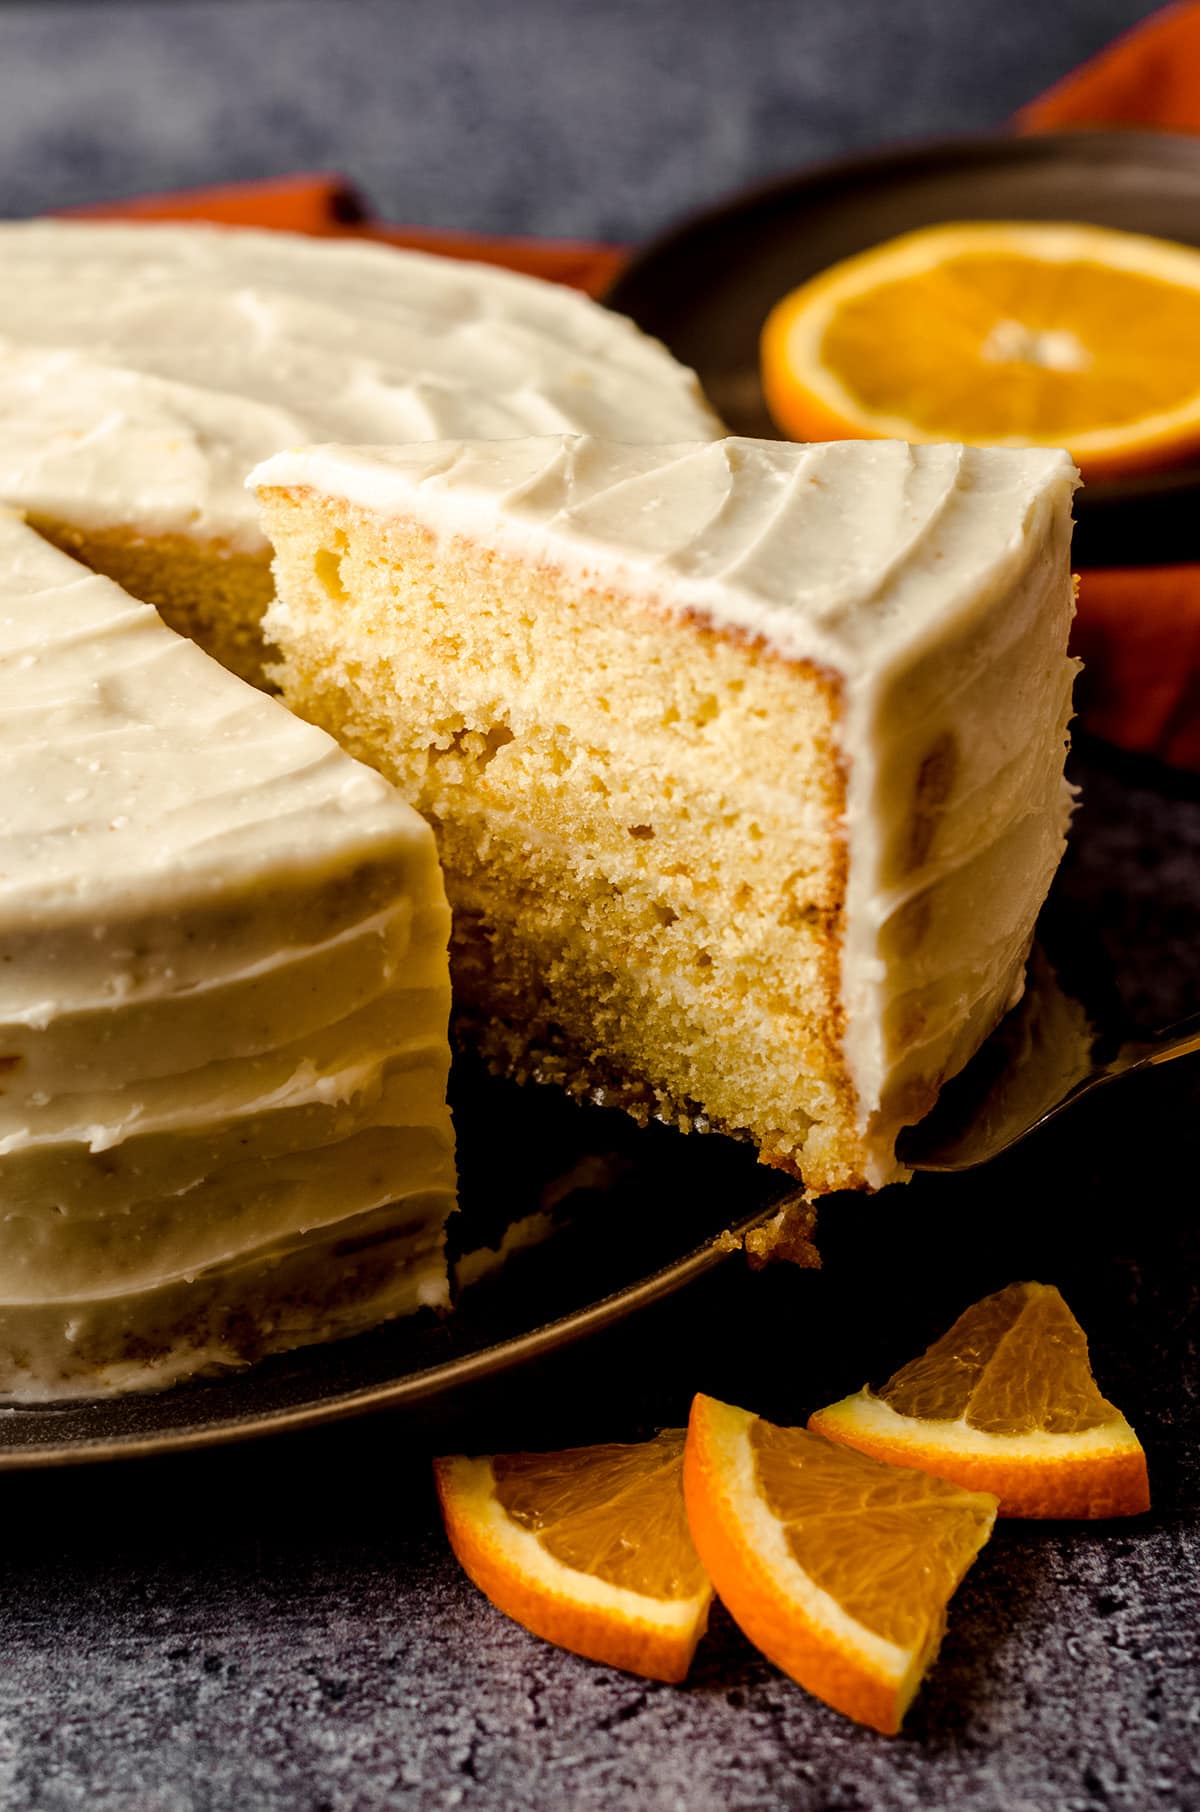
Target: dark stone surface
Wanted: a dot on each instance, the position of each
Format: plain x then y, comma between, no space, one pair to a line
280,1628
541,116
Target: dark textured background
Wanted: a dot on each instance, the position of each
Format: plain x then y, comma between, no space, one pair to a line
576,117
280,1627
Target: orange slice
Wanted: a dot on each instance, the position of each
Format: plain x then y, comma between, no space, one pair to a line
1005,1402
588,1548
1010,333
838,1568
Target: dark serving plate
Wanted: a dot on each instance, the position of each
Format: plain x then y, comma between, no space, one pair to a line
706,286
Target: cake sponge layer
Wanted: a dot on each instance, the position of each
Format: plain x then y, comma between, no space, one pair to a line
745,759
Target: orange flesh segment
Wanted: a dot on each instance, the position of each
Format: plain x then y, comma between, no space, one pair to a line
965,352
1011,1364
889,1544
587,1548
1005,1402
1005,332
822,1557
613,1512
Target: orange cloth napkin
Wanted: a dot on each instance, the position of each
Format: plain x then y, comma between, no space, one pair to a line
1149,76
1138,629
1138,635
329,206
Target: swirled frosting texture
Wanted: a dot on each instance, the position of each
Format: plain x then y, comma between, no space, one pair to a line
223,1008
145,369
933,581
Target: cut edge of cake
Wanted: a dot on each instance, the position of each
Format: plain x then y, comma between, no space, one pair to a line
214,594
745,758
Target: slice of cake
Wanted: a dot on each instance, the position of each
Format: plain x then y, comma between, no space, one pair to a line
145,368
745,759
223,1005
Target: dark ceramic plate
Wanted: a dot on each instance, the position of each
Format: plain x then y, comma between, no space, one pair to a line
633,1213
705,288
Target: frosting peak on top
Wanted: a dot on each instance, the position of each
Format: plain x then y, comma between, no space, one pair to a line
144,369
841,552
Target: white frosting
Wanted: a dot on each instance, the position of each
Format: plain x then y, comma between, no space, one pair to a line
933,581
223,1045
145,369
846,552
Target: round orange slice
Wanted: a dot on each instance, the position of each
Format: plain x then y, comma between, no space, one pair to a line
588,1548
1005,1402
837,1567
1009,333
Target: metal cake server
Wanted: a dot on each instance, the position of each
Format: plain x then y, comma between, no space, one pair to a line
1043,1058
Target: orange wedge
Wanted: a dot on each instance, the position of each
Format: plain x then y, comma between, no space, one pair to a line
1010,333
588,1548
1005,1402
838,1568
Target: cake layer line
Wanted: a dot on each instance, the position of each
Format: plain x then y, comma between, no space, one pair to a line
335,1065
119,1045
323,1287
250,1210
66,1179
